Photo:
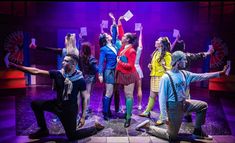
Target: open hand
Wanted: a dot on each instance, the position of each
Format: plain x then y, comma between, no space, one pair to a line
225,68
121,17
100,78
111,15
81,122
150,67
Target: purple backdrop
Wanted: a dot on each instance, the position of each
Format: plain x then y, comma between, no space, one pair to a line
44,20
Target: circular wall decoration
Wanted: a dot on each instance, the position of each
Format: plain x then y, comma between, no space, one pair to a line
14,45
218,58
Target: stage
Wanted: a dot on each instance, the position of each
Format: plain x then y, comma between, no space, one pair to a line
17,115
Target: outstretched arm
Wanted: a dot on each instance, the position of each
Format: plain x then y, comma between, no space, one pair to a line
192,77
57,50
30,70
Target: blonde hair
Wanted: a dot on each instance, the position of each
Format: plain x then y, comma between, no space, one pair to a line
70,44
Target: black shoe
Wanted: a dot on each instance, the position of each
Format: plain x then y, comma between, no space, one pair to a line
200,134
127,123
188,118
110,114
39,134
106,116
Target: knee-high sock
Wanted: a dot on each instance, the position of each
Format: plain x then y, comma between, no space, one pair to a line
129,105
110,102
150,105
106,103
116,97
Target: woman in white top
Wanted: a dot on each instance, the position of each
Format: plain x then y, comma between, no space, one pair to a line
139,70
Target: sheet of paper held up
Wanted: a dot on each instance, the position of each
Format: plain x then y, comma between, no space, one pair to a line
128,15
105,23
83,31
176,33
137,26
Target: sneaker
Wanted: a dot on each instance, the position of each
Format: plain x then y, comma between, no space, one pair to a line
145,114
139,107
200,134
39,134
188,118
159,122
145,124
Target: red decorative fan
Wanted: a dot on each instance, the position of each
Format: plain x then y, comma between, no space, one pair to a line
14,45
217,60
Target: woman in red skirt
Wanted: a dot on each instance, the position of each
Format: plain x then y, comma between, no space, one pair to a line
126,73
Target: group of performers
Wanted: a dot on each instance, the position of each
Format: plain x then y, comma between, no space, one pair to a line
118,65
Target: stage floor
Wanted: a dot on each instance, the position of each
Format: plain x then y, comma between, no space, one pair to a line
16,115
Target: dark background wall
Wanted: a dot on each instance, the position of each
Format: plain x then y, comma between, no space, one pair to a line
197,21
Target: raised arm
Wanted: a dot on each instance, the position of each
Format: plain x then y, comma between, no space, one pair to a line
112,17
140,38
113,29
101,28
30,70
80,40
173,44
120,28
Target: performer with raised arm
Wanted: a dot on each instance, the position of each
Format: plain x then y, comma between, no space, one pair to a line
139,70
110,46
126,73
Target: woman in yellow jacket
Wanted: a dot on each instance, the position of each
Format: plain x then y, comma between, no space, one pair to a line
161,61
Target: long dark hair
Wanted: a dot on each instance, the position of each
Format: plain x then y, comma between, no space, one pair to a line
166,45
132,39
102,39
85,52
